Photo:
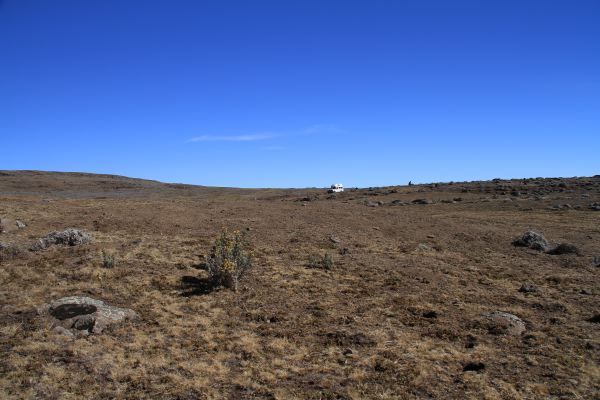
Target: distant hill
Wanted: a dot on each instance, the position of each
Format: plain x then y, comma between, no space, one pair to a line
86,185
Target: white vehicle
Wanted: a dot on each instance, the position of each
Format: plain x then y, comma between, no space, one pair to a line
336,188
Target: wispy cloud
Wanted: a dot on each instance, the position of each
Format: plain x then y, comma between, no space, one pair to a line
237,138
311,130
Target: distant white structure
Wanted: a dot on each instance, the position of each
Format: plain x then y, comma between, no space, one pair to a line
336,188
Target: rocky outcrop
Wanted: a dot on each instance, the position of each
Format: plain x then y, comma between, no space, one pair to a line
533,240
70,237
84,315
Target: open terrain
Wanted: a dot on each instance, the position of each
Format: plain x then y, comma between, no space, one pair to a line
403,313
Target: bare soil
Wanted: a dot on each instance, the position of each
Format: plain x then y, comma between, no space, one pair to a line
400,315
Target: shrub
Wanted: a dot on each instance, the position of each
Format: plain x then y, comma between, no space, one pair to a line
108,259
229,260
325,262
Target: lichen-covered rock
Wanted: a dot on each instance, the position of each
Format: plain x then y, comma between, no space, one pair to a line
70,237
533,240
502,323
85,315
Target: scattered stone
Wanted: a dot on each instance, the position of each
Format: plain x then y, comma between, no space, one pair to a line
585,291
20,224
502,323
422,201
474,366
423,247
533,240
528,288
84,314
595,206
561,206
430,314
372,203
70,237
334,239
564,248
596,261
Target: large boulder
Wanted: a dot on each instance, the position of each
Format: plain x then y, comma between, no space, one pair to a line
70,237
84,315
533,240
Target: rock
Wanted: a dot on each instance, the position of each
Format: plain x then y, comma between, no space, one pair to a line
430,314
474,366
423,247
20,224
85,314
372,203
422,201
70,237
564,248
533,240
334,239
502,323
528,288
596,261
595,206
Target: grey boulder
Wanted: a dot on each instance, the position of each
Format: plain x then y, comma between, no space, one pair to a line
533,240
84,315
70,237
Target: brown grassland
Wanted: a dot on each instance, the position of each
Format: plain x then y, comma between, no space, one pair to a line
398,316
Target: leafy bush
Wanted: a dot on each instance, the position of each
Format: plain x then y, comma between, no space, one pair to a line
324,262
108,259
229,260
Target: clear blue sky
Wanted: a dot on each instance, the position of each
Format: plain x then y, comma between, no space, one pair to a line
301,93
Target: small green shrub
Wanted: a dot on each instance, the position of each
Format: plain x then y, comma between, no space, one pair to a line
324,262
108,259
229,260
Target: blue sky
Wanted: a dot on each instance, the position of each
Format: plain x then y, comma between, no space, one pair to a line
301,93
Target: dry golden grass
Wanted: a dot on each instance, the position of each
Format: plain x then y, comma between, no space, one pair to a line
357,331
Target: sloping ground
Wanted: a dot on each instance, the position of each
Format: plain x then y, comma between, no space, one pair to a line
76,185
401,314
